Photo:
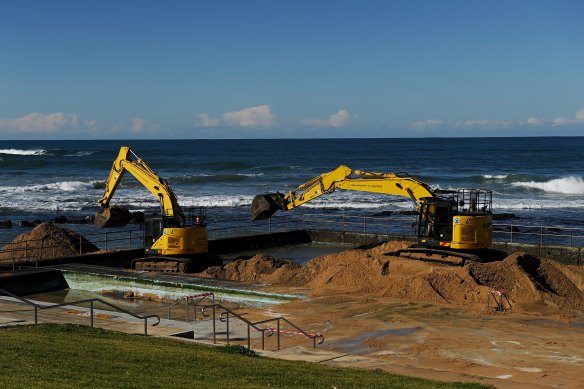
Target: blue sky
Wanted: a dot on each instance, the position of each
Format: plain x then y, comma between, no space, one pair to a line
272,69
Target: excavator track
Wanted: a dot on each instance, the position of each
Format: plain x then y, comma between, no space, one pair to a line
163,264
445,257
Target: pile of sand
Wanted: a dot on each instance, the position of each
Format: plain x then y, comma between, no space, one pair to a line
524,279
46,241
257,269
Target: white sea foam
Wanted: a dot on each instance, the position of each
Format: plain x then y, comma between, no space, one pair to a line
495,176
80,154
62,186
23,152
572,185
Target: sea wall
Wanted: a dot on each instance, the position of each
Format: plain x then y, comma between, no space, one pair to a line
124,257
254,242
32,281
564,254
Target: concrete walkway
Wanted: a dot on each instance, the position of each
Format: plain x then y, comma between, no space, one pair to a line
16,312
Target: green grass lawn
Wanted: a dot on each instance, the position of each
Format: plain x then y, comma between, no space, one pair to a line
72,356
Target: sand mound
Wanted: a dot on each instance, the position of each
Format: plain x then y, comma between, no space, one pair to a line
526,280
260,268
46,241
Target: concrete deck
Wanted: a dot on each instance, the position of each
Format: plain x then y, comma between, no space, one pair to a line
15,312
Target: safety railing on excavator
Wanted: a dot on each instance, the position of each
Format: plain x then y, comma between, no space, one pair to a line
227,313
91,302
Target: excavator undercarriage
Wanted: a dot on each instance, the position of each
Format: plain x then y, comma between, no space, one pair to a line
163,264
445,257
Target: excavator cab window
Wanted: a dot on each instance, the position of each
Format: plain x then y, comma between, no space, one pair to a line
153,227
434,221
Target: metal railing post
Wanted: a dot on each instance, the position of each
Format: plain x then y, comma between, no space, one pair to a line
214,327
80,246
248,338
278,329
36,315
541,236
91,313
105,238
227,322
145,326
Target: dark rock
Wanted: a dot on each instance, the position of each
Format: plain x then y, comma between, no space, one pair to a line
60,220
505,216
137,217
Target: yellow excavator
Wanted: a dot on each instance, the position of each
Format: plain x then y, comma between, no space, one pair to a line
453,223
174,241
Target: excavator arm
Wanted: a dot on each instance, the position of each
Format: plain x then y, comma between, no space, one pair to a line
113,216
264,206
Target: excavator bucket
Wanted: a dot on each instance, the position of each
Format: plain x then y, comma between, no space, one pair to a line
265,205
114,216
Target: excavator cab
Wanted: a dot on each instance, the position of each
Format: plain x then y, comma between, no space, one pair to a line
435,221
457,219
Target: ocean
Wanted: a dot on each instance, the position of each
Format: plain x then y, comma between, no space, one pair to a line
540,180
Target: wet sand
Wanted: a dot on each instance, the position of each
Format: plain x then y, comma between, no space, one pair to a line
432,320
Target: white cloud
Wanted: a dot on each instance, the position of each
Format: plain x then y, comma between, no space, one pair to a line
428,123
40,123
534,122
258,116
206,121
138,125
337,119
560,121
488,124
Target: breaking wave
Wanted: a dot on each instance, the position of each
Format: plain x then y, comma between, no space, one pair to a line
63,186
495,176
23,152
572,185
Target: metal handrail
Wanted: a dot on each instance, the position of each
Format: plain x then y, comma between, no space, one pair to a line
225,318
188,299
90,301
514,230
19,253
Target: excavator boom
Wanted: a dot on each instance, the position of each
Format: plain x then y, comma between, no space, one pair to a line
265,205
173,242
116,216
458,219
